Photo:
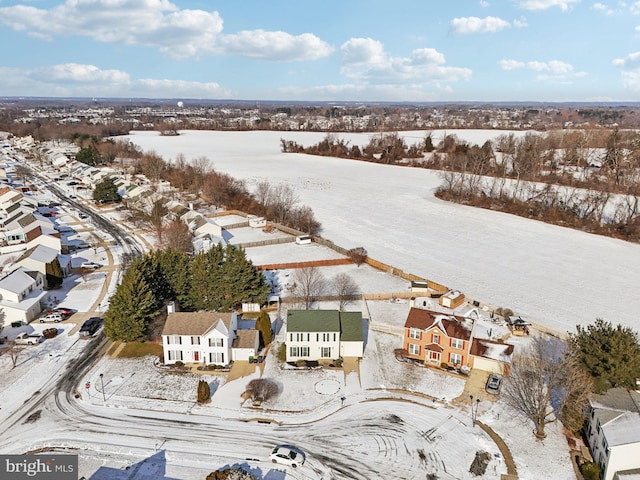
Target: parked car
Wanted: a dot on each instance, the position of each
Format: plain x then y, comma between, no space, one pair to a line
82,245
90,326
29,339
91,265
287,455
65,312
52,317
83,215
494,382
49,332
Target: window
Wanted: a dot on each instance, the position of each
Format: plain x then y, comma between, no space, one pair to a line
457,343
216,357
414,349
175,355
455,358
216,342
326,337
174,340
414,333
325,352
299,351
434,356
435,338
195,340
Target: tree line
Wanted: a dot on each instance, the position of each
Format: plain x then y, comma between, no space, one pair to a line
219,279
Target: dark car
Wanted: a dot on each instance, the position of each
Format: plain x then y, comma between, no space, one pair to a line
90,326
50,332
494,382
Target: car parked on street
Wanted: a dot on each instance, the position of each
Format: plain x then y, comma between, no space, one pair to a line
494,382
90,265
65,312
287,455
90,326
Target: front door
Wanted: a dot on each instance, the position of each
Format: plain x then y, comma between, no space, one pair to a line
196,356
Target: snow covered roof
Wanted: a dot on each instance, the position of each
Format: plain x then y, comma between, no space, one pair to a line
453,325
623,429
502,352
17,281
40,253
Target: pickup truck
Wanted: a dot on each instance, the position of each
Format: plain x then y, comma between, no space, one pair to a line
29,339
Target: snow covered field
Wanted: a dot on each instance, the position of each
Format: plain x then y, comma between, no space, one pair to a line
552,274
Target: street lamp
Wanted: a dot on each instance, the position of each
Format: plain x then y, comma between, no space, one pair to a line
102,383
474,410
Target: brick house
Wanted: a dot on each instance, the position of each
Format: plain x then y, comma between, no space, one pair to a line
437,338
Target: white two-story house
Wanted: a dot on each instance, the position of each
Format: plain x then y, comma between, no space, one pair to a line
613,432
199,337
323,335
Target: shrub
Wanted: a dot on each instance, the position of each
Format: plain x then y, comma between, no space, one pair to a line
338,362
444,365
301,363
204,392
179,364
262,389
590,471
282,352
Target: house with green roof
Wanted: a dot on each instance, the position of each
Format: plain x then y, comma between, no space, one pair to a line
323,335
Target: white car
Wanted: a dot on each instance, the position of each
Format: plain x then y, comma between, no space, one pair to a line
92,265
287,455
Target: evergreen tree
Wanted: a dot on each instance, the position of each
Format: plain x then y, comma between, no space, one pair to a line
263,325
89,155
206,279
176,268
106,191
54,274
610,354
131,308
241,282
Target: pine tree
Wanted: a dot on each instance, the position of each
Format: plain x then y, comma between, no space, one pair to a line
610,354
242,282
54,273
263,325
131,308
206,279
106,191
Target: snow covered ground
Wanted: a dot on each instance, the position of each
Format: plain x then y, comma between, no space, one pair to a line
552,274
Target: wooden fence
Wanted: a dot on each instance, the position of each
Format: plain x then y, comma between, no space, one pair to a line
313,263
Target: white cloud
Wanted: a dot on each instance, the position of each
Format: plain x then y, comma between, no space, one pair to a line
630,70
545,4
607,10
635,8
553,70
484,3
520,23
465,25
366,61
274,45
77,80
159,24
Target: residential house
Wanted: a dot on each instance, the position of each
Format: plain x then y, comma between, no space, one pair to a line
491,355
613,432
21,293
323,335
37,258
437,338
452,299
199,337
245,345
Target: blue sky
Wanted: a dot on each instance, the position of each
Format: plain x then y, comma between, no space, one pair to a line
347,50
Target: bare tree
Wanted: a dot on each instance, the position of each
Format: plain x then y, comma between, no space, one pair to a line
345,289
262,389
308,284
156,218
178,236
284,199
542,381
14,353
358,255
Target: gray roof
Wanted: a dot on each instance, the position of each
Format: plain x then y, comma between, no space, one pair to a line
194,323
618,399
246,339
40,253
624,429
